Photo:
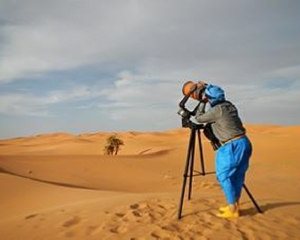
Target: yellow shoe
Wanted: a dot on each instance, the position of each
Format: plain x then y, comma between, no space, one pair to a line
228,214
224,209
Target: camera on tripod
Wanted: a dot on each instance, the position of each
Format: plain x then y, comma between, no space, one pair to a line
196,92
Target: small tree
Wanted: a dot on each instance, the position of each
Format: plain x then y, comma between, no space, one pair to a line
112,146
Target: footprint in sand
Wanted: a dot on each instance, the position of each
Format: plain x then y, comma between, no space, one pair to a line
207,185
70,234
91,230
171,227
161,234
31,216
71,222
119,229
151,215
134,206
120,215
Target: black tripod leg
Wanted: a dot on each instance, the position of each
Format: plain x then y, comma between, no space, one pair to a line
192,157
185,175
252,199
201,153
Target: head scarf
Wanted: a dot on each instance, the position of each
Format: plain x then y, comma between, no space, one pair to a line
215,94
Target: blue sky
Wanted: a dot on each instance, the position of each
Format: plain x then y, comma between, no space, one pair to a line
88,66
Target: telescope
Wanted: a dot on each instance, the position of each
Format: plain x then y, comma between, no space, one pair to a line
195,91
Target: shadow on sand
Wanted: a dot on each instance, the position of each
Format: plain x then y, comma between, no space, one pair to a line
69,185
267,207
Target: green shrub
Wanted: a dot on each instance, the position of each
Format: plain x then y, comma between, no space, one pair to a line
113,144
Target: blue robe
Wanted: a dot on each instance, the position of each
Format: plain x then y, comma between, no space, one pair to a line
232,162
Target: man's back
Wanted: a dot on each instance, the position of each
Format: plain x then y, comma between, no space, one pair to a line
225,121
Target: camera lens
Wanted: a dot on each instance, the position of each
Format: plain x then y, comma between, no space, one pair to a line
181,112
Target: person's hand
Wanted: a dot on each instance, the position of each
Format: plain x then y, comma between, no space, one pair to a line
204,98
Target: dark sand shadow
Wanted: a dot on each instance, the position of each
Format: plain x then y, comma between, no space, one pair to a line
69,185
266,207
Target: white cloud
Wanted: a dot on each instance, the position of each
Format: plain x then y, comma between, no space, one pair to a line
32,105
147,50
63,36
19,104
159,100
210,38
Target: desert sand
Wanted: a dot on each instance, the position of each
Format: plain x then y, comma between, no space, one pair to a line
62,186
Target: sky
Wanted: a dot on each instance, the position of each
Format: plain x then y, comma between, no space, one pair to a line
119,65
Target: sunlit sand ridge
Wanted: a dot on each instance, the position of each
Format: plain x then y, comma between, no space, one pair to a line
61,186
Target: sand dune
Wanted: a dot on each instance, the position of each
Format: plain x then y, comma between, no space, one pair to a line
61,186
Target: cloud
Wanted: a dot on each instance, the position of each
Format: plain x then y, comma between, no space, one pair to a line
140,100
137,103
61,35
22,105
209,38
139,53
26,104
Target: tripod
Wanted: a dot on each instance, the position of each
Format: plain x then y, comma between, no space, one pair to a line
189,167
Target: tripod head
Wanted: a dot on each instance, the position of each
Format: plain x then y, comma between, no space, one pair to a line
187,123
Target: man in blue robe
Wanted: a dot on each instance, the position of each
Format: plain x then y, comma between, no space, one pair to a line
232,158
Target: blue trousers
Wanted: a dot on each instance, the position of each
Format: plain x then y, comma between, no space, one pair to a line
232,162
